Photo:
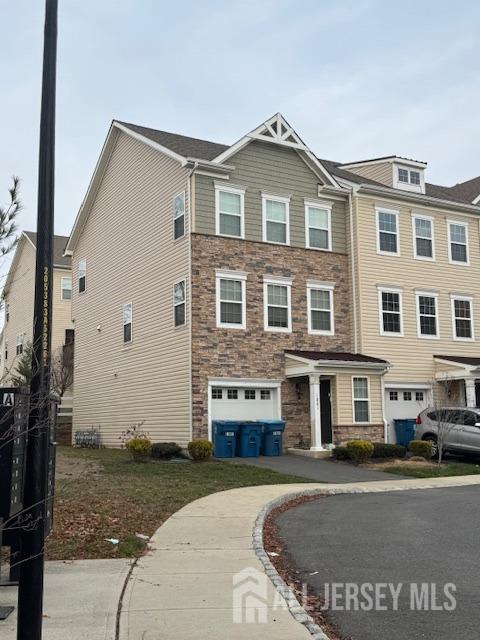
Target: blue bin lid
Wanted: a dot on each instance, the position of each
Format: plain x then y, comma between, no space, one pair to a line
226,425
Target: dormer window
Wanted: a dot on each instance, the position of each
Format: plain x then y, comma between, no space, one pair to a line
403,175
409,177
414,177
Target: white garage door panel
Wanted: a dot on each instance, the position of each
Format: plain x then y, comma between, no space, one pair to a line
406,405
244,406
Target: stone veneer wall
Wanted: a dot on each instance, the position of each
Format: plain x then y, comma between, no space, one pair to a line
255,353
344,433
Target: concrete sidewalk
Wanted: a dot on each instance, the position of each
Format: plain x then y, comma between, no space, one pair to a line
183,588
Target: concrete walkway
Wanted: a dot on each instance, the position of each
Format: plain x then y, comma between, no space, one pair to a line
202,577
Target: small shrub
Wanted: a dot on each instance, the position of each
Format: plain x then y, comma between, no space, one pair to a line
165,450
200,449
341,453
139,448
421,448
133,432
360,450
384,450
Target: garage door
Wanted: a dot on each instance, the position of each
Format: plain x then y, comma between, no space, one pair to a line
404,403
243,403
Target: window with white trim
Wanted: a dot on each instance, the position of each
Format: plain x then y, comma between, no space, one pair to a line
7,312
217,393
275,219
250,394
232,394
318,222
403,175
423,238
393,396
361,399
387,232
427,315
179,303
390,303
265,394
415,177
179,215
419,396
82,275
231,300
277,301
66,288
407,396
462,317
320,309
230,211
409,177
458,242
127,322
6,349
19,344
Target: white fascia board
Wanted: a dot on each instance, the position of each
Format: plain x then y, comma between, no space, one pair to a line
477,200
458,365
155,145
387,160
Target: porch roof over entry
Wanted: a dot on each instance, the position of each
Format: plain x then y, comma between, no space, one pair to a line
316,360
465,361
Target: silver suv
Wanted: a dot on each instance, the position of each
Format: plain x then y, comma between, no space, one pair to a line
460,427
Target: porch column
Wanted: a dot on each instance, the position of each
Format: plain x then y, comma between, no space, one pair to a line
315,423
470,392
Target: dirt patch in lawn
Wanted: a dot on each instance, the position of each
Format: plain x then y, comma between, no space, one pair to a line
72,468
407,464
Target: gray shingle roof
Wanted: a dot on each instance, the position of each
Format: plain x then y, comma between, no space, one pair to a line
468,360
468,190
59,244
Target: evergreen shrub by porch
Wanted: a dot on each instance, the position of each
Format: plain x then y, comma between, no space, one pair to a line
421,448
341,453
165,450
200,449
139,448
360,450
384,450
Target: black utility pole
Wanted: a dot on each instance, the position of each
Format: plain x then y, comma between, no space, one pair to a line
30,593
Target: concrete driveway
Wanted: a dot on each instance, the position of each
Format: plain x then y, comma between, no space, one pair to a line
421,536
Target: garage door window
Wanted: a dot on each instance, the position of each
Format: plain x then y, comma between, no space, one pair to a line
250,394
407,396
232,394
264,394
217,394
419,396
361,400
393,396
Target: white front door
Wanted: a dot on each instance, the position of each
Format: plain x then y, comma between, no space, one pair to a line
402,404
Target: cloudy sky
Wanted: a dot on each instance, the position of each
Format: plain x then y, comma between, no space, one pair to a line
355,78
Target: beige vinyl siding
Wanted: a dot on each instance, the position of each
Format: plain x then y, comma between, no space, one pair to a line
412,357
381,172
344,397
277,170
62,310
131,256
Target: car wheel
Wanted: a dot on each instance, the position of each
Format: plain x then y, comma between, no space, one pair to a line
433,440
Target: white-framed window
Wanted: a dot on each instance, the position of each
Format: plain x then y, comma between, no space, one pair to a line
250,394
423,237
415,177
407,396
320,308
427,314
6,349
462,318
318,226
390,308
180,303
276,219
7,312
19,344
232,394
66,288
419,396
179,215
458,242
388,240
265,394
277,296
231,299
406,176
230,211
127,322
393,395
403,175
217,393
361,399
82,275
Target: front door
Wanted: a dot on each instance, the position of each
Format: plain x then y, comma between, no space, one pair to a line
325,412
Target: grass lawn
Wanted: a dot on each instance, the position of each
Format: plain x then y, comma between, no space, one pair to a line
102,494
433,470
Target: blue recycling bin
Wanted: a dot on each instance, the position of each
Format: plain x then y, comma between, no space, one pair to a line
272,440
249,439
225,438
405,431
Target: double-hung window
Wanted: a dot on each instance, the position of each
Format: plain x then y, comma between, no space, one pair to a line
458,242
427,315
66,288
127,322
179,216
320,308
231,299
423,238
82,275
19,344
276,219
387,232
230,211
7,312
361,399
390,306
462,318
6,349
179,303
318,226
277,304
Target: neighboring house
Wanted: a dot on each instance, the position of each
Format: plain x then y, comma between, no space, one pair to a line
18,302
416,281
214,282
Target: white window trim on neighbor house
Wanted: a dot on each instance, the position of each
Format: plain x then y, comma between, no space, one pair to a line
238,276
82,273
130,322
386,289
324,206
284,200
230,189
469,299
418,216
313,285
177,304
176,215
367,400
427,294
458,223
7,312
20,338
283,282
395,213
63,281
